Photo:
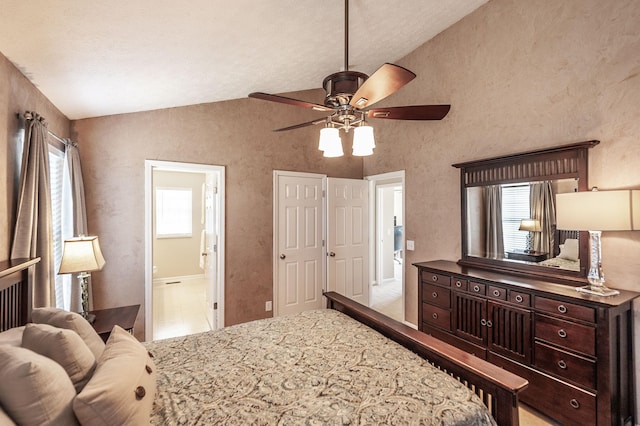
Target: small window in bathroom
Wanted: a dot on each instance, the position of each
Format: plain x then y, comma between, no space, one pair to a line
173,212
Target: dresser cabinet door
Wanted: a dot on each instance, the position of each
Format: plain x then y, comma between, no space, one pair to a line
470,313
509,331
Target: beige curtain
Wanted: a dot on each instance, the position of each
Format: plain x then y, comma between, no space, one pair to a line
542,207
494,241
79,214
33,232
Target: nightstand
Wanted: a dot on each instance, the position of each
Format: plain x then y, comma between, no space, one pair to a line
533,256
124,316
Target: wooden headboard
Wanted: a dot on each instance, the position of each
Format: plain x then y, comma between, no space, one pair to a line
16,295
560,237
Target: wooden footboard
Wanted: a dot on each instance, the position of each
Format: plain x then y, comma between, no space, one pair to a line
498,388
16,300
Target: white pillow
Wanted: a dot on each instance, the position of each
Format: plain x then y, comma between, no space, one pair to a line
123,386
64,347
5,420
569,250
72,321
34,390
12,336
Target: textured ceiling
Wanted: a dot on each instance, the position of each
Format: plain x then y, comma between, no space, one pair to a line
100,58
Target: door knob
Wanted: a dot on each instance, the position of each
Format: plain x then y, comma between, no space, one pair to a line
332,254
282,256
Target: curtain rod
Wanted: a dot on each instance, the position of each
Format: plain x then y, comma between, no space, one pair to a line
30,115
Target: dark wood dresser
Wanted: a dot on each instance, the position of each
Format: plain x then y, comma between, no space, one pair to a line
575,349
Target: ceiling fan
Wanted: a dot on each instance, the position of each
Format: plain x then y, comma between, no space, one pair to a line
349,97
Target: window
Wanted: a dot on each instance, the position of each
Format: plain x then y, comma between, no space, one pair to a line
515,207
60,209
173,212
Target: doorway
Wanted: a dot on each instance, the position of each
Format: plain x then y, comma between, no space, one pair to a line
388,233
184,248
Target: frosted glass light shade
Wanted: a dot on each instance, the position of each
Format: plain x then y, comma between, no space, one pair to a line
363,141
599,210
327,135
334,147
81,254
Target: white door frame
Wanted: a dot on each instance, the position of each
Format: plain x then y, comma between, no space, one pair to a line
149,165
276,229
375,181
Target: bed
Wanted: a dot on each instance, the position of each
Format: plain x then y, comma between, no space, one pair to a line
566,251
345,364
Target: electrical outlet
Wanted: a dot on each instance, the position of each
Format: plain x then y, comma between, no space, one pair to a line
268,306
411,245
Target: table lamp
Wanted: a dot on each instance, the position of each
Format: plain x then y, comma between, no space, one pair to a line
82,255
530,225
596,211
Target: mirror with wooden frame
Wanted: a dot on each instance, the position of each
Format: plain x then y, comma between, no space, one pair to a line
508,213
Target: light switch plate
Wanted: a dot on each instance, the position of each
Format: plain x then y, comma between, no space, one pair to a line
411,245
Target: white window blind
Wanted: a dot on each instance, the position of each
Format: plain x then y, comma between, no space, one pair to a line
57,166
515,207
174,214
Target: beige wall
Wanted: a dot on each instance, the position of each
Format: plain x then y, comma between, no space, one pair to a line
18,95
235,134
519,75
179,257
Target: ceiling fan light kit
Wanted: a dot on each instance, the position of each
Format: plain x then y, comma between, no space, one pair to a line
349,96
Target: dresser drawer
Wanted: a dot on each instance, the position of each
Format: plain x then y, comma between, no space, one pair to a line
430,277
497,292
476,288
519,298
577,337
459,283
436,295
437,316
565,309
564,364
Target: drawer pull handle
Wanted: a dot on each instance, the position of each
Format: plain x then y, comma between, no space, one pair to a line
562,333
496,293
562,364
476,288
519,299
489,324
574,403
458,284
483,322
434,278
435,316
434,294
562,309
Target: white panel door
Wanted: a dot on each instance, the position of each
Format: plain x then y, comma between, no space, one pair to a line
299,248
209,247
348,238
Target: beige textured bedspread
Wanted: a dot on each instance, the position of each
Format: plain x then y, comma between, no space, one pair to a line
315,368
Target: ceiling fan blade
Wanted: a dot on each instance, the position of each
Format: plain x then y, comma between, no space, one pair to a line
386,80
289,101
298,126
413,112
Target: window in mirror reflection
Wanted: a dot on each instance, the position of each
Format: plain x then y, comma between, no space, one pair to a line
494,215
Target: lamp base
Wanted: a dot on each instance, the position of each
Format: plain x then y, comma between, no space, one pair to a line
89,317
598,290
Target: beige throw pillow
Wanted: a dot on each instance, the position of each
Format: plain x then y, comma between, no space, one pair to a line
72,321
12,337
63,346
34,390
5,420
123,386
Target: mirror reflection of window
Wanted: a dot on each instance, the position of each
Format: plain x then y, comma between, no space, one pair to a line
515,207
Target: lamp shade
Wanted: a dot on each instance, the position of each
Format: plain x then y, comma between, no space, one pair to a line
81,254
599,210
327,135
363,141
532,225
333,147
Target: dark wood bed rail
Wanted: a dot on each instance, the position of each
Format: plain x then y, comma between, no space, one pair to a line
16,297
497,388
